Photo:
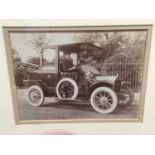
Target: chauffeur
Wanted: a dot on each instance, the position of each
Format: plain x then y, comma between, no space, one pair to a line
67,63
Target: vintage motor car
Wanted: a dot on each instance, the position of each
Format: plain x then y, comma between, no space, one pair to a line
79,83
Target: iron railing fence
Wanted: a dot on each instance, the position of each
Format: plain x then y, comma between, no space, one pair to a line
129,72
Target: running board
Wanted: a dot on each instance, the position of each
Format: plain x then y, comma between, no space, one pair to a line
69,100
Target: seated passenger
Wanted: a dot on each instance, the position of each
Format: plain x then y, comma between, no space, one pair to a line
66,64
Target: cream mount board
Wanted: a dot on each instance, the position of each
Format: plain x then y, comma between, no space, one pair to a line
141,123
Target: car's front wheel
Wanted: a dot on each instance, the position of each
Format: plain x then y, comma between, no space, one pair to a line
35,96
103,100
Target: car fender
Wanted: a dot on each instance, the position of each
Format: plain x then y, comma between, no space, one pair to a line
99,84
125,84
106,79
40,83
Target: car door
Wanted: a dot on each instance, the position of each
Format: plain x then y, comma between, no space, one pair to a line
49,69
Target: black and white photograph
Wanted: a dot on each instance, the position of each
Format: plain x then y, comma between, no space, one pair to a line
78,73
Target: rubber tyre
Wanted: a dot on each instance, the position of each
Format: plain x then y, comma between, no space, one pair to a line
111,93
128,90
40,91
74,85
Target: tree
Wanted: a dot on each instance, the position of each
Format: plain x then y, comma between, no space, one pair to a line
38,41
109,41
122,53
35,60
130,43
15,56
134,46
93,37
18,70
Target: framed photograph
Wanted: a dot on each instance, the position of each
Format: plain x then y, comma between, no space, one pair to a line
78,73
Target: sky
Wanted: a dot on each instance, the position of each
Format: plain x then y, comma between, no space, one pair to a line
20,42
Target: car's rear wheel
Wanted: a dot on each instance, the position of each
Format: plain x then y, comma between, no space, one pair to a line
103,100
67,89
35,96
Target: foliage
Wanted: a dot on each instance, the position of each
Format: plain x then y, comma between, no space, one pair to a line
18,69
34,60
119,47
130,43
20,74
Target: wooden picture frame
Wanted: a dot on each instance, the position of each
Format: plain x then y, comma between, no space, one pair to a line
76,29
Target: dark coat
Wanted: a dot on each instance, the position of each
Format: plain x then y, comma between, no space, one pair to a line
66,64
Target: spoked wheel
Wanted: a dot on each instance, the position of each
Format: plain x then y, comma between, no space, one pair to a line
126,96
67,89
103,100
35,96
